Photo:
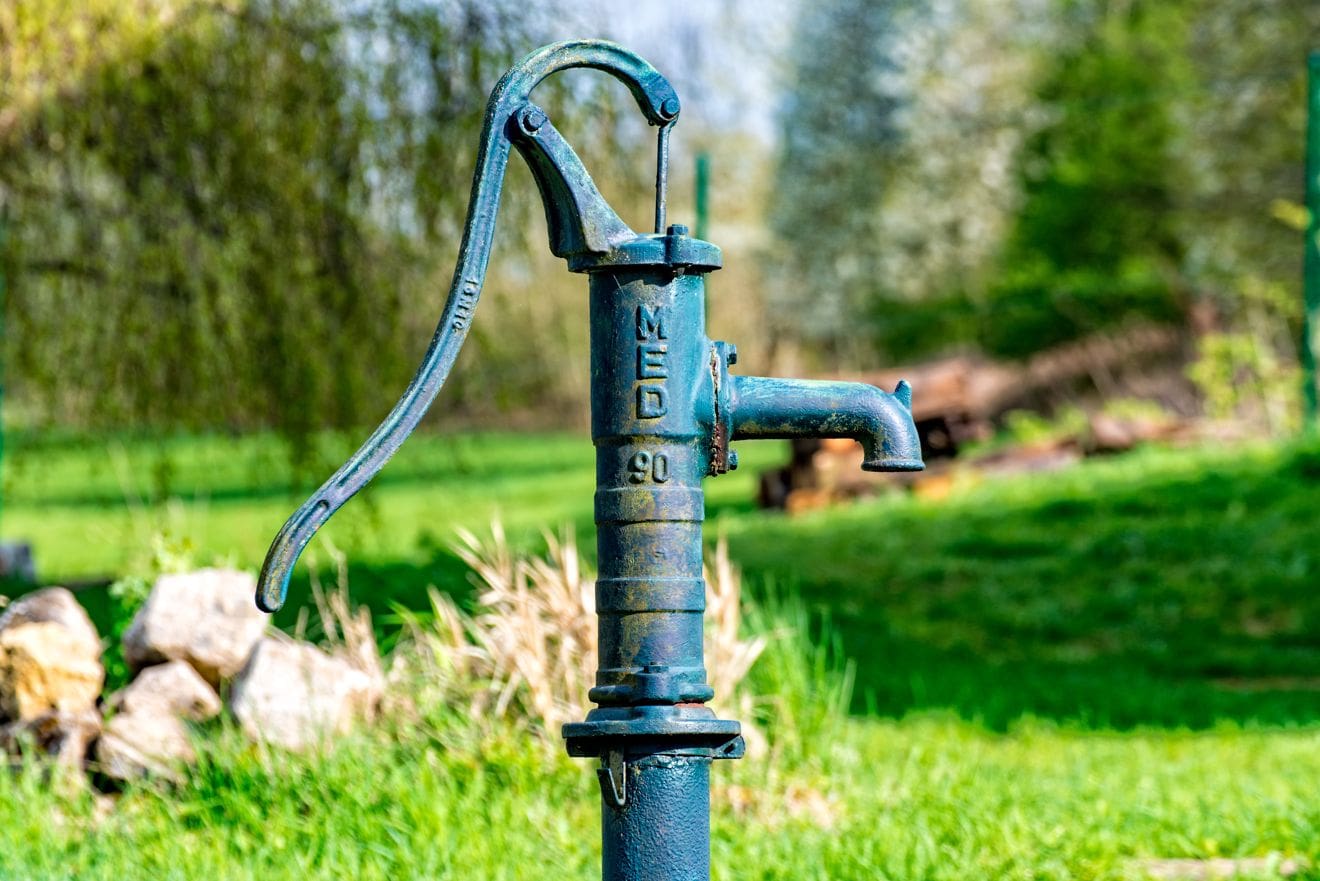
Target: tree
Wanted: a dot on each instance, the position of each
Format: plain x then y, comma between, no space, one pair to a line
238,213
840,133
1095,241
894,190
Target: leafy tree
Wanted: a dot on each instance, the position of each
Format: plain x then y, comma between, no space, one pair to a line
893,193
1243,135
840,133
238,213
1095,241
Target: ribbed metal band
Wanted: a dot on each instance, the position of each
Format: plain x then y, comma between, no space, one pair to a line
649,505
650,595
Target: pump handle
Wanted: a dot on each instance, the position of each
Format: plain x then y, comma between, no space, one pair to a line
658,102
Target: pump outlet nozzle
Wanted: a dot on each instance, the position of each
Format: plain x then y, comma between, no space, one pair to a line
762,407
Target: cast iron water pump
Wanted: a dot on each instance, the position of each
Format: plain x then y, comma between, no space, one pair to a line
664,409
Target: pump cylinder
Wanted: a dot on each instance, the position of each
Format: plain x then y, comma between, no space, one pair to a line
650,365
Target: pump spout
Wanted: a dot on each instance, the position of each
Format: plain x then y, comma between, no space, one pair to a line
762,407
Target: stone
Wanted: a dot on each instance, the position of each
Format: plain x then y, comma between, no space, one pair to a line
1272,866
17,563
55,605
149,742
45,667
294,695
207,618
67,737
174,688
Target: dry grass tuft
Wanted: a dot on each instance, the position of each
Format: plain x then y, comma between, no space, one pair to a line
729,657
347,633
535,624
528,651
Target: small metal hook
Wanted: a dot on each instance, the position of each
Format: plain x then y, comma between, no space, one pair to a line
613,774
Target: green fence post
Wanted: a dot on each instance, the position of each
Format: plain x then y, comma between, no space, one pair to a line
4,223
1311,260
702,229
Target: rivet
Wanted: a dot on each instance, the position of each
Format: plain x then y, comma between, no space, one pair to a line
532,119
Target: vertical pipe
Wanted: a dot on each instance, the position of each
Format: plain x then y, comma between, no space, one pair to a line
648,355
662,833
649,360
702,230
1311,258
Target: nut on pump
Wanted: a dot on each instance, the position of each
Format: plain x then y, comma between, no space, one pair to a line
665,408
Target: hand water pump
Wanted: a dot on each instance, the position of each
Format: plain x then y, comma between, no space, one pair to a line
664,409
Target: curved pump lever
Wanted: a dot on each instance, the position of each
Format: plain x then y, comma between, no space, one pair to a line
508,112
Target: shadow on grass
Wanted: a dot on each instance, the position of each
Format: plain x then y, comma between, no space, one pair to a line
897,676
1124,595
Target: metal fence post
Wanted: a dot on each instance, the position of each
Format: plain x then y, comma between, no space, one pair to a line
1310,350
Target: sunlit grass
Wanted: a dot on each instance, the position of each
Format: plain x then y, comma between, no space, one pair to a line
1056,675
927,797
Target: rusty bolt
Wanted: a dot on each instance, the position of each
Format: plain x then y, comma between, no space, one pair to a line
532,119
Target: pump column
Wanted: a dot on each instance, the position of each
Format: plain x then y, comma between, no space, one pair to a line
651,404
648,356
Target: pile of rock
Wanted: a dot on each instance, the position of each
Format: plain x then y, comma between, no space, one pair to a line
198,636
50,676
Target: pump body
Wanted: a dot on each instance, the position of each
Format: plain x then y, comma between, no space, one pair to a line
652,416
664,411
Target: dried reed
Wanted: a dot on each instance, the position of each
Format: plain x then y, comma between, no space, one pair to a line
346,632
528,651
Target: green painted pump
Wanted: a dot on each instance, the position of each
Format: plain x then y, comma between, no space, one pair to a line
664,409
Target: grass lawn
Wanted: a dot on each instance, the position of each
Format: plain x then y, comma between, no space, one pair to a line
1057,675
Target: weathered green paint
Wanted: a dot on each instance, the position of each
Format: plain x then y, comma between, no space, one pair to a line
664,410
1310,350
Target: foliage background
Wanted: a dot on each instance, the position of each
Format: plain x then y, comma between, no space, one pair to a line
243,213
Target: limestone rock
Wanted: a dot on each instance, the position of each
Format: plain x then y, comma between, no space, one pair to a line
294,695
54,605
147,742
207,618
46,667
174,688
65,736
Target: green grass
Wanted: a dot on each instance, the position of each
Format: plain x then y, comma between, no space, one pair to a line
1167,587
927,797
91,510
1056,674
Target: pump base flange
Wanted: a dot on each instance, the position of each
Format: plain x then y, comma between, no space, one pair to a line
691,730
